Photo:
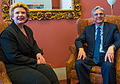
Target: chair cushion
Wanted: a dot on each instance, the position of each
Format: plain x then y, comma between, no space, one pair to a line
118,77
96,78
95,69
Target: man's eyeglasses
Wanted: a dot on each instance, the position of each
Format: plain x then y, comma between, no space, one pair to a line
98,14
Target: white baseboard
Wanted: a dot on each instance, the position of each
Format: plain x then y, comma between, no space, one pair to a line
61,73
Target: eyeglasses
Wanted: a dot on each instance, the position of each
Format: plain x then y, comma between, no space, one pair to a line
98,14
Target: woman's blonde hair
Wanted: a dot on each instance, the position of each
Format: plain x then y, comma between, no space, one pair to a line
16,5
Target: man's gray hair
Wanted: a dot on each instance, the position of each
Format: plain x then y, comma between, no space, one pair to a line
97,7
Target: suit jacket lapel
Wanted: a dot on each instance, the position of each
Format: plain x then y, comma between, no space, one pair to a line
22,36
93,33
105,33
29,36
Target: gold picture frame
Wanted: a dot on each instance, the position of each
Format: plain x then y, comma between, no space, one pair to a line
45,14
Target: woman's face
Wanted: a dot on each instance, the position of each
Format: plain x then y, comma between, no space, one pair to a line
19,15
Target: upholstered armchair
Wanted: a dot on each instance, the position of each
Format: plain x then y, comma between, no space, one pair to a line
95,74
4,79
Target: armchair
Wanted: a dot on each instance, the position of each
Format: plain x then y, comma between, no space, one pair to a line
95,74
4,79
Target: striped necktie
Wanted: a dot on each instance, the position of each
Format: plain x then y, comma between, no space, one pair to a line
97,46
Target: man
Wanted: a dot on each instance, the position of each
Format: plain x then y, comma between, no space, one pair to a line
103,40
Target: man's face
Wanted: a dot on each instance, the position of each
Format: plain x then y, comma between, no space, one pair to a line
19,15
98,17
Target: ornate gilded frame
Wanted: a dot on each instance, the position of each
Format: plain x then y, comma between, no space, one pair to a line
45,14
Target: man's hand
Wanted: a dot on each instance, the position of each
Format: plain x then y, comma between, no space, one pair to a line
81,54
40,59
110,54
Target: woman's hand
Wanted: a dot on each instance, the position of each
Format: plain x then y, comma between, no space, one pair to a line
40,59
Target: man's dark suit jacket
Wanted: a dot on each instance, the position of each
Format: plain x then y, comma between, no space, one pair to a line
110,37
18,51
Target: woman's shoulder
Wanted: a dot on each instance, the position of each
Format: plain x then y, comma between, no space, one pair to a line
10,30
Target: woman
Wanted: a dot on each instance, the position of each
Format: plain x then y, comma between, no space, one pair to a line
24,61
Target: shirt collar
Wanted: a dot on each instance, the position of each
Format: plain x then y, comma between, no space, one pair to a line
101,26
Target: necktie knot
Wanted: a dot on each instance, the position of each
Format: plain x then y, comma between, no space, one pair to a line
98,29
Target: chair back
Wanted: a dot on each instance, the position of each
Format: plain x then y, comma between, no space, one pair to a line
3,25
82,23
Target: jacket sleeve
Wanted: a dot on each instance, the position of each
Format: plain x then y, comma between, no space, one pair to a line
116,38
80,40
36,49
11,50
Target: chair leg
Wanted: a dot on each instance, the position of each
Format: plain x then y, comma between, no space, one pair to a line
68,81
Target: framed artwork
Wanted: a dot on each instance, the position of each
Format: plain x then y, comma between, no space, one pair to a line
44,10
36,4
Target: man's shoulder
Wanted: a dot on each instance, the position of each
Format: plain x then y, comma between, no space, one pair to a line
90,26
110,24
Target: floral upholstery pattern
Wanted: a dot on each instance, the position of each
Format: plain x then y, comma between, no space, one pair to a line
4,79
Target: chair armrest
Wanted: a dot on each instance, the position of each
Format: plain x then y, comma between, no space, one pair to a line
4,79
70,65
118,60
73,55
2,67
71,61
72,49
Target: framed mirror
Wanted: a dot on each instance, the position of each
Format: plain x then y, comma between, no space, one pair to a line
55,12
